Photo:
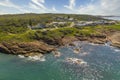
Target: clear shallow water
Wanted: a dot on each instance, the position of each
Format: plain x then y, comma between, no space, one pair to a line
103,63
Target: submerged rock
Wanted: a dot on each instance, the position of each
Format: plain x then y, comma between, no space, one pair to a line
56,53
72,44
75,61
77,50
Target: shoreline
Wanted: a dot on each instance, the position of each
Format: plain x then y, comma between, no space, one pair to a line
38,47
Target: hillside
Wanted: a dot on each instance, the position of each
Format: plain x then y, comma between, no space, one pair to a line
16,38
20,20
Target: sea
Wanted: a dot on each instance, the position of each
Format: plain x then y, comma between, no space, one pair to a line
102,62
113,18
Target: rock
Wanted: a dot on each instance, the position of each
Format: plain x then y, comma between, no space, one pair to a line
25,48
68,40
76,50
72,44
56,53
75,61
98,39
33,54
115,39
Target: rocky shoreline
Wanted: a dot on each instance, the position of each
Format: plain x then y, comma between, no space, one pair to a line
25,48
40,47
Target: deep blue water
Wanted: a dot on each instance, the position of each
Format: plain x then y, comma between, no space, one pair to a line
103,63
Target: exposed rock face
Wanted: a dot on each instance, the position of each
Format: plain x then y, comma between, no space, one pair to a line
68,40
98,39
39,47
25,48
115,39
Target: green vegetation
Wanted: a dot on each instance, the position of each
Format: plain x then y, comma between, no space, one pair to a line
23,20
14,27
53,34
114,27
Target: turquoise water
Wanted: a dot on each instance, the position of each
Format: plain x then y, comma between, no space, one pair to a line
103,63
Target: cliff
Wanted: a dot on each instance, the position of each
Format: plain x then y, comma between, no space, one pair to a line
25,48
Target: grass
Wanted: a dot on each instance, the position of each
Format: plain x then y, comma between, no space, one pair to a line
114,27
16,37
51,34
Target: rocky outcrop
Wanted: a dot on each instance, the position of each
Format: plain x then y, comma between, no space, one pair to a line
68,39
98,39
25,48
41,47
115,39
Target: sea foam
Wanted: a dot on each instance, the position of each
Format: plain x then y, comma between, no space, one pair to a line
36,58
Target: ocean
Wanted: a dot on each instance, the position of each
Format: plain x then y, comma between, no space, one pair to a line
113,18
102,63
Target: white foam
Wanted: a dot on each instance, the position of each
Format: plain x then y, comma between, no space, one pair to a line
21,56
36,58
116,50
85,53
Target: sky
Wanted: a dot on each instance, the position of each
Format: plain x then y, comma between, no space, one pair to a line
92,7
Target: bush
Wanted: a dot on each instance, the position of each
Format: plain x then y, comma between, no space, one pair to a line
13,29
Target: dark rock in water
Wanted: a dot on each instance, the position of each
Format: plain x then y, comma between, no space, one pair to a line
56,53
76,50
76,61
25,47
72,44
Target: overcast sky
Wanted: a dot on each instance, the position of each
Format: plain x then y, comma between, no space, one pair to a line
94,7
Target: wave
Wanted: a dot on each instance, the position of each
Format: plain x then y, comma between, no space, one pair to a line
36,58
33,58
21,56
117,50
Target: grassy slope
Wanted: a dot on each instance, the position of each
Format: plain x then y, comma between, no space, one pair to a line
11,30
31,35
24,19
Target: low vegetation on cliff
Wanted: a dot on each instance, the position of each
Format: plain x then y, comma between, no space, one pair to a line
14,31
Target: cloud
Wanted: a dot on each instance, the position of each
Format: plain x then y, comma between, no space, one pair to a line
71,5
110,7
88,9
3,12
38,6
101,7
33,6
94,7
39,3
8,3
54,9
